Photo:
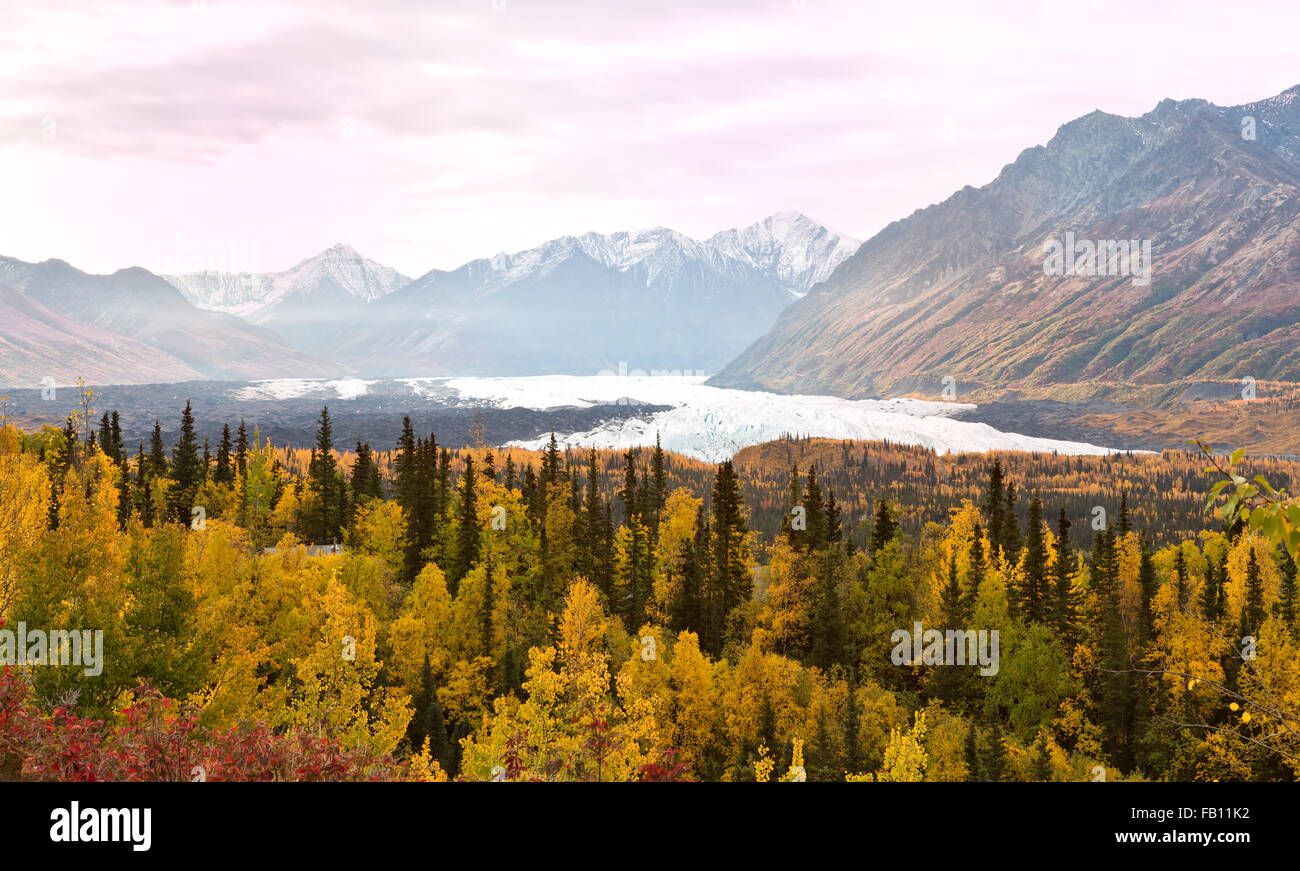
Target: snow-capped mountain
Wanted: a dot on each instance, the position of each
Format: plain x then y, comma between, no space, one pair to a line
336,272
795,249
318,296
649,299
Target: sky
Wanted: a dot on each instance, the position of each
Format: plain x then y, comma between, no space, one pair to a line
192,134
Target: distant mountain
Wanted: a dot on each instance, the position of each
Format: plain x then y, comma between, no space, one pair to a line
127,310
961,289
36,343
652,299
320,294
791,247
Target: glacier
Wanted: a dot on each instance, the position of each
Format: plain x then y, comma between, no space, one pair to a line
713,423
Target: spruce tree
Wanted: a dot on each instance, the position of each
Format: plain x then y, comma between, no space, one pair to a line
1065,610
1036,599
976,559
225,471
995,759
814,512
157,453
884,528
658,484
323,483
106,439
995,506
1180,578
241,450
185,470
729,577
467,530
1252,607
1285,608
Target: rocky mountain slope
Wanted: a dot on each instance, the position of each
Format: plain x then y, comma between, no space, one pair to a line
962,289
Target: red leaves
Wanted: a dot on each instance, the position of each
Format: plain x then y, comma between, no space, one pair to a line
156,742
666,771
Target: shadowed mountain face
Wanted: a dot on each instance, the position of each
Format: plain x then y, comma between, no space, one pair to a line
131,327
962,290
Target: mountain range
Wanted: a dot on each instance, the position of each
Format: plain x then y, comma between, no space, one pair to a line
128,327
971,291
966,289
652,299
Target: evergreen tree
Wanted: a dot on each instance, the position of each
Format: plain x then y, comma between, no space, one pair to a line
730,581
1123,526
597,559
185,470
658,484
366,483
115,430
323,483
952,599
467,530
995,506
995,759
157,454
225,471
1180,579
1065,610
106,439
884,528
143,496
1285,608
976,569
550,465
241,450
834,530
1036,600
1252,608
1010,532
1147,591
814,512
794,537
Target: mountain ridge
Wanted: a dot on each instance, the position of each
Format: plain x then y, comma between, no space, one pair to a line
957,289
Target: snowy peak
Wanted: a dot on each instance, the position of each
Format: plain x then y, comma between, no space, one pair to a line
341,264
788,248
796,250
338,272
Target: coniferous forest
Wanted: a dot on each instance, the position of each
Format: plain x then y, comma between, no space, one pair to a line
410,612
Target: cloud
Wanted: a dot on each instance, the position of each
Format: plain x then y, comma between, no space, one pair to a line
426,134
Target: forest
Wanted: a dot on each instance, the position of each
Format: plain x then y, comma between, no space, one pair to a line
498,614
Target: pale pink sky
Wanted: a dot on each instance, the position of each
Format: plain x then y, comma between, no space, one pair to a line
425,134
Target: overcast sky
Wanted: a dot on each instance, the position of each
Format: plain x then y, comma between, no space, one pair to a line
425,134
